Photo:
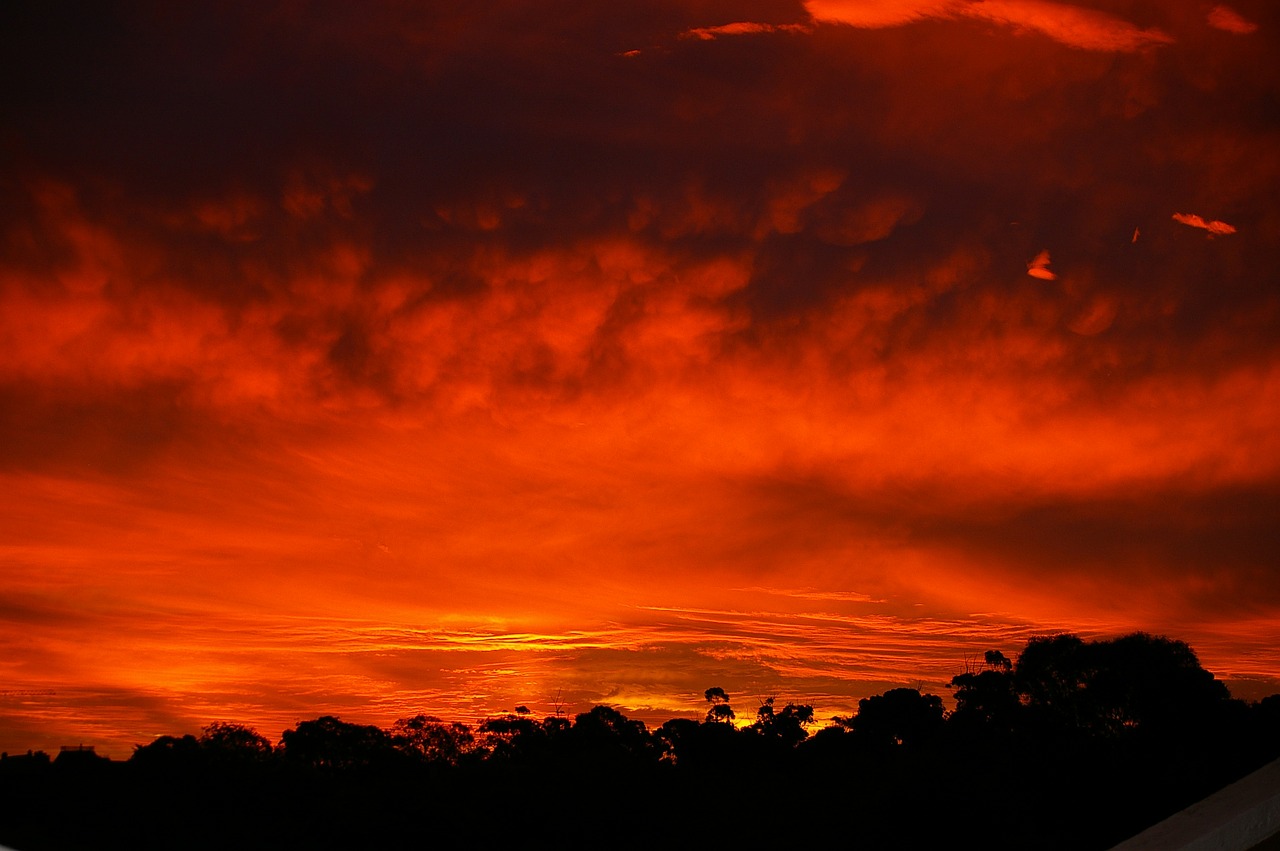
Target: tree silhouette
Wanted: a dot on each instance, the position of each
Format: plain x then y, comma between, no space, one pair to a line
432,740
228,743
786,726
997,661
900,716
1153,684
517,737
676,741
720,712
1108,687
604,733
1126,730
167,752
987,702
330,743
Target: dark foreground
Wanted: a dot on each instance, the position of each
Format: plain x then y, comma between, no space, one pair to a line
1079,745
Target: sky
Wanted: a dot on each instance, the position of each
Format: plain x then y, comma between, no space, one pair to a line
399,357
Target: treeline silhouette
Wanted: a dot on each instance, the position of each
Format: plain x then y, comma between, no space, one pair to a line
1075,744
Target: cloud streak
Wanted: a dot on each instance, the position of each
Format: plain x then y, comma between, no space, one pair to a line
741,28
1069,24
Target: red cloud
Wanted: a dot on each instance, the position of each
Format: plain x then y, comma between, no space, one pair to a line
1228,19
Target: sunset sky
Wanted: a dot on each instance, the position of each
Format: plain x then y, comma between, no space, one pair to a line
381,358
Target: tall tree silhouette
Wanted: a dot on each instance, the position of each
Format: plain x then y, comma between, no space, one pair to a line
720,711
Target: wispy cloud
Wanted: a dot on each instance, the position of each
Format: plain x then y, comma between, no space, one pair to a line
742,28
816,594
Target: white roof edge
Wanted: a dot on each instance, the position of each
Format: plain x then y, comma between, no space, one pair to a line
1235,818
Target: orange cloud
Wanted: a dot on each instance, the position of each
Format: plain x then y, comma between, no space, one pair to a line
880,13
1071,25
1215,228
1039,267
